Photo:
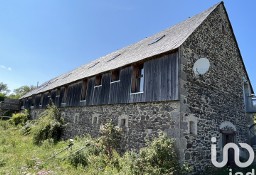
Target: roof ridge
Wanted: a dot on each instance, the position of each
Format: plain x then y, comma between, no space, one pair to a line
175,36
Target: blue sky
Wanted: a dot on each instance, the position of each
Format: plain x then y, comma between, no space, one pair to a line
41,39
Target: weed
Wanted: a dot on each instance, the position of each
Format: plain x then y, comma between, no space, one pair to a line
20,118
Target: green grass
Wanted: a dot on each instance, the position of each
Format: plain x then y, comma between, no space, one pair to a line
18,154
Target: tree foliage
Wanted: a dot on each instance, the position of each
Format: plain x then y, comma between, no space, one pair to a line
50,125
4,89
20,118
19,92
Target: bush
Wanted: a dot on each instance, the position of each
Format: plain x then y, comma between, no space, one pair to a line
159,157
110,138
78,158
48,126
20,118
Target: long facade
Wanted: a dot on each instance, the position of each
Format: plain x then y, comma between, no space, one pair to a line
164,92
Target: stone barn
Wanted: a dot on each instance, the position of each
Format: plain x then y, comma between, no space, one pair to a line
188,81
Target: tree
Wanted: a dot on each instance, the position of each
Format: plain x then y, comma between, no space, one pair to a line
4,88
19,92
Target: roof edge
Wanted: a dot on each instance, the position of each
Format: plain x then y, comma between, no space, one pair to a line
236,43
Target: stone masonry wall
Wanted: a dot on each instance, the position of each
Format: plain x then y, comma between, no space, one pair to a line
144,119
216,96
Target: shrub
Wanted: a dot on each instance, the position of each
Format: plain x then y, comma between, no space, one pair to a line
110,138
20,118
78,158
159,157
48,126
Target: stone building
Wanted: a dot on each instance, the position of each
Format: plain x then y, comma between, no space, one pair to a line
188,81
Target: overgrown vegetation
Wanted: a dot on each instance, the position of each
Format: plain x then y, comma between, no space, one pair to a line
20,155
110,138
19,118
48,126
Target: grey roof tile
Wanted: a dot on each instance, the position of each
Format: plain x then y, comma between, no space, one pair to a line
174,37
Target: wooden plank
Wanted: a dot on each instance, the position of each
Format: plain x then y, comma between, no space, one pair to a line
160,84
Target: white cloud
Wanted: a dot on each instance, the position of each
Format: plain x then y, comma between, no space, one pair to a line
5,68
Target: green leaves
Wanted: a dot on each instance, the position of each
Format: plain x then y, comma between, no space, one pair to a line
48,126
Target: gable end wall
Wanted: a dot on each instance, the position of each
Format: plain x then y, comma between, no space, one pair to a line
216,96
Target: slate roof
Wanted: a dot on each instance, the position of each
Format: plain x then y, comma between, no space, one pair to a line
170,39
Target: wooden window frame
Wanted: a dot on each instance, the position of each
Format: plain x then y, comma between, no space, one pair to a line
138,76
115,75
98,80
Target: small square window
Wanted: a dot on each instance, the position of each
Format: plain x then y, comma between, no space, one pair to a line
115,75
94,120
98,80
192,127
123,122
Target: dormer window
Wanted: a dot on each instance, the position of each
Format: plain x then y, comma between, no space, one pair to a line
138,79
115,75
83,90
98,80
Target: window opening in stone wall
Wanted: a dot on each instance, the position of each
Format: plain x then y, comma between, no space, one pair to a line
123,122
115,75
94,120
223,29
138,79
83,90
192,127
